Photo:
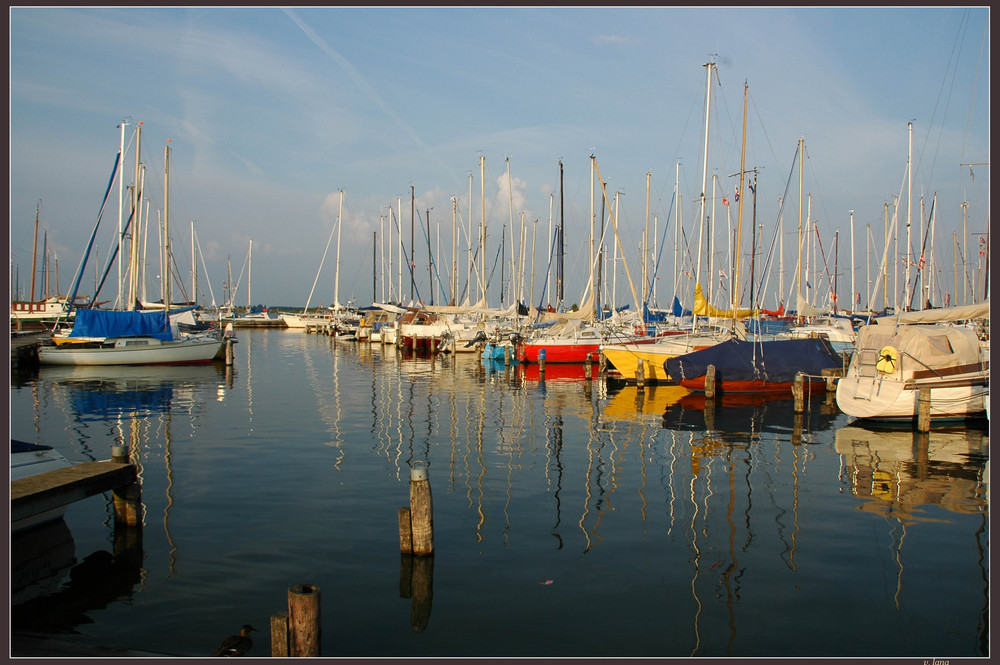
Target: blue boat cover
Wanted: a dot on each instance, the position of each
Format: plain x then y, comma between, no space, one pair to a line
773,362
113,323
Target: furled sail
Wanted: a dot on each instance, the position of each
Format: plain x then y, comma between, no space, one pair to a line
702,308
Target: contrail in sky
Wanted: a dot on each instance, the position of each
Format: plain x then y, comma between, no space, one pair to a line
364,85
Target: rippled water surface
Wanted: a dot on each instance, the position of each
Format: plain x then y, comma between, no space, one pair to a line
572,517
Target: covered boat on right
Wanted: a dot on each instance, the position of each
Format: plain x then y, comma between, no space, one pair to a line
945,351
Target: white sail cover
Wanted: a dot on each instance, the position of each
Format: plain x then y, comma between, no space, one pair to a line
945,314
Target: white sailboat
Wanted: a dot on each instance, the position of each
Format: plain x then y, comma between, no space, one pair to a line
133,337
896,357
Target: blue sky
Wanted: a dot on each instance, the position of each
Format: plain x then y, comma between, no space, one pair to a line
271,112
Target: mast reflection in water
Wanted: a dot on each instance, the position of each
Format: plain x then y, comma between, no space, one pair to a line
573,516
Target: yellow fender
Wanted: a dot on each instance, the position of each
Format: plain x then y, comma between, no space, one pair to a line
888,360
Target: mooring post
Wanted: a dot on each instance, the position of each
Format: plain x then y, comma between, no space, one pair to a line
303,621
710,382
421,511
797,392
229,351
405,531
923,409
279,635
541,360
128,498
506,356
588,367
602,363
640,374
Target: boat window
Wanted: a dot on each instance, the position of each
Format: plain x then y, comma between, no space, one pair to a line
939,345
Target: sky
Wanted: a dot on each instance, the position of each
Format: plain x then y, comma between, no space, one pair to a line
282,121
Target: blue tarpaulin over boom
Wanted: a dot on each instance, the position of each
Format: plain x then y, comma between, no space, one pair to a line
774,362
102,323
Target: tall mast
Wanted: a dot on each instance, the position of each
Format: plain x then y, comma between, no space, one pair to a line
704,176
909,207
136,200
798,265
165,273
454,251
739,209
121,201
645,253
336,273
34,250
482,225
590,257
194,269
853,291
413,258
249,276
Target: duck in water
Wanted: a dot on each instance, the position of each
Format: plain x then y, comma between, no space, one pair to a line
236,645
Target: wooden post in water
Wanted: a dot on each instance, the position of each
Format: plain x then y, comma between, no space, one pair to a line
710,382
128,499
798,391
602,363
506,356
541,360
923,409
588,368
303,621
421,512
405,531
279,635
640,374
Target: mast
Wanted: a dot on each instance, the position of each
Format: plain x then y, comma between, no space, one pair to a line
165,284
560,275
909,207
121,201
194,269
136,200
645,253
590,256
413,261
739,210
454,251
853,291
336,273
430,260
249,276
482,225
798,265
34,251
704,181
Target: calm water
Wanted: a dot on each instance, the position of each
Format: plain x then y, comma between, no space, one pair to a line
571,518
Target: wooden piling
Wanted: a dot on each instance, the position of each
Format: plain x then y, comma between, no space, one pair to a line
405,532
506,356
279,635
127,499
602,363
710,382
541,360
588,367
229,351
640,373
303,621
923,409
421,512
798,392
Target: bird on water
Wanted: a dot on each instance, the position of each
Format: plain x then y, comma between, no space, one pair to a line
236,645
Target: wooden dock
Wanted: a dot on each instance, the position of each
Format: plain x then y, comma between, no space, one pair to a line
53,489
24,348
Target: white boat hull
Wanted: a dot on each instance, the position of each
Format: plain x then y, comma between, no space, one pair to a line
137,351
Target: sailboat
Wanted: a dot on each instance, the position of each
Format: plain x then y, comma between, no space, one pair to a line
132,337
896,357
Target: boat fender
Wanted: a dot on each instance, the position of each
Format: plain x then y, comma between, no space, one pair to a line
888,360
639,330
